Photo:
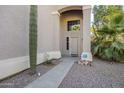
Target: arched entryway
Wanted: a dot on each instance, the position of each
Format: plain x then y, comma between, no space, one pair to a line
66,19
71,24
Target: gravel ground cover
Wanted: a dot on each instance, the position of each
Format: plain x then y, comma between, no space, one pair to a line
22,79
101,74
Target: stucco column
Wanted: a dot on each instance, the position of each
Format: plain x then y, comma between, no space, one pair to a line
86,28
56,31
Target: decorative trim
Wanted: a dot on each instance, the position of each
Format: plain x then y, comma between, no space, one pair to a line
55,13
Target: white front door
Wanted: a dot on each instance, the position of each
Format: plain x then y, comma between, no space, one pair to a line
73,46
71,32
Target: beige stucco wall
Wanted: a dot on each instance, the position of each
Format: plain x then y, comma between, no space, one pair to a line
14,30
45,28
86,30
14,27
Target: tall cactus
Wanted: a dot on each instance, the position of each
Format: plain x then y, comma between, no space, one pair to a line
33,38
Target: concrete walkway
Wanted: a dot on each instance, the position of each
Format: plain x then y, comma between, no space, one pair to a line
54,77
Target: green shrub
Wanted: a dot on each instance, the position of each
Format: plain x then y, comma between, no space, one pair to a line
108,29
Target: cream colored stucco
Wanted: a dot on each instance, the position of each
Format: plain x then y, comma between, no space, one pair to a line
14,29
86,30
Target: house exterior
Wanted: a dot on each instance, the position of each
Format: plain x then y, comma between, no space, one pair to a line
63,30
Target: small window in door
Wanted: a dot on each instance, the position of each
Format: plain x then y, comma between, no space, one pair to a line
67,43
73,25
